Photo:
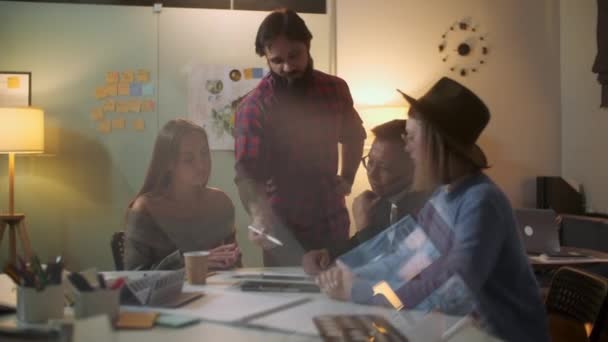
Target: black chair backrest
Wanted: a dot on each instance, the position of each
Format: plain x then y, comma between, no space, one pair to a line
577,295
118,250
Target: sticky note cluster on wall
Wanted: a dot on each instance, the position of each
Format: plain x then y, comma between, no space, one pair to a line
124,92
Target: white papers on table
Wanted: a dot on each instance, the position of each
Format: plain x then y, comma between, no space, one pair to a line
227,305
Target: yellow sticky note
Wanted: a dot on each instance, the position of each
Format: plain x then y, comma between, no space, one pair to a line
118,123
123,89
112,77
14,82
248,73
97,114
147,106
126,76
143,76
111,89
100,92
122,106
109,106
134,106
104,126
139,125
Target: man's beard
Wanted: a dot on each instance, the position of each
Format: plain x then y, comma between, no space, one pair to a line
295,84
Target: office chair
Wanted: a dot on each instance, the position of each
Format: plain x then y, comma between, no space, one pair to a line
577,296
118,250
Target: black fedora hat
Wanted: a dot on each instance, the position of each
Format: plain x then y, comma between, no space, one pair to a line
457,114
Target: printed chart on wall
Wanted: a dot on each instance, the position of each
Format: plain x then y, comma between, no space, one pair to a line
15,89
213,94
124,100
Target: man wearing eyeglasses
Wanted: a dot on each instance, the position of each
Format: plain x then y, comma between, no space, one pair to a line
390,172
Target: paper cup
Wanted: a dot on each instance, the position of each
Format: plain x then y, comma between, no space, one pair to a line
196,267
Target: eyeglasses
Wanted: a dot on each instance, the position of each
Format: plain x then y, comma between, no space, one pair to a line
370,164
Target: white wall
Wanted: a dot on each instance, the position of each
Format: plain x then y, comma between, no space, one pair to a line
584,124
383,45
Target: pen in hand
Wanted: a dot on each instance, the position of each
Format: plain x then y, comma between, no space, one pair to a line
268,237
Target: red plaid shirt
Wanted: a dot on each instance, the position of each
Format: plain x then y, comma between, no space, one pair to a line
293,141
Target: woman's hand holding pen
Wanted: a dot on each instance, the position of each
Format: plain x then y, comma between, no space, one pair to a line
224,256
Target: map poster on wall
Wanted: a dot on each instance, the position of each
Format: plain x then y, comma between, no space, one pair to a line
213,94
15,89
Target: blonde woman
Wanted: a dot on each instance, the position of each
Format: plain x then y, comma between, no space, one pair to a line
482,269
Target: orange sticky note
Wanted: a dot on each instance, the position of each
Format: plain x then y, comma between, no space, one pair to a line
109,106
126,76
143,76
111,89
147,106
123,89
122,106
97,114
14,82
112,77
136,320
104,126
100,93
118,123
248,73
139,124
134,106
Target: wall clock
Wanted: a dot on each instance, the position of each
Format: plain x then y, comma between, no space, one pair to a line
463,48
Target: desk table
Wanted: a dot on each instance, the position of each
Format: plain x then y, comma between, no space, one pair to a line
254,317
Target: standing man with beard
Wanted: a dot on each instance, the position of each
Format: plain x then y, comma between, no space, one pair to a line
287,132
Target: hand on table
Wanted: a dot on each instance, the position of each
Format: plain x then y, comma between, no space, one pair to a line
224,256
316,261
337,282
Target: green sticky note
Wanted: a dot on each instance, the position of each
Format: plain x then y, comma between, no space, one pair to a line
147,89
176,321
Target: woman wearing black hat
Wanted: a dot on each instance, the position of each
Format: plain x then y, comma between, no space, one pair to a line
482,269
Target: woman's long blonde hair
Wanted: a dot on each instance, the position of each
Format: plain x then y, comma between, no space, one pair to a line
441,164
166,150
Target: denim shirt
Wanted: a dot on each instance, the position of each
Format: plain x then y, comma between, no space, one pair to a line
481,269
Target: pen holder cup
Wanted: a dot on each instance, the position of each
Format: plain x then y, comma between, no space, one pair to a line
98,302
35,306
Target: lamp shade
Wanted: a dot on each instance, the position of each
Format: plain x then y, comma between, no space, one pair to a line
21,130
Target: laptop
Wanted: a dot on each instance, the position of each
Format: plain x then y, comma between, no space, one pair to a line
539,230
